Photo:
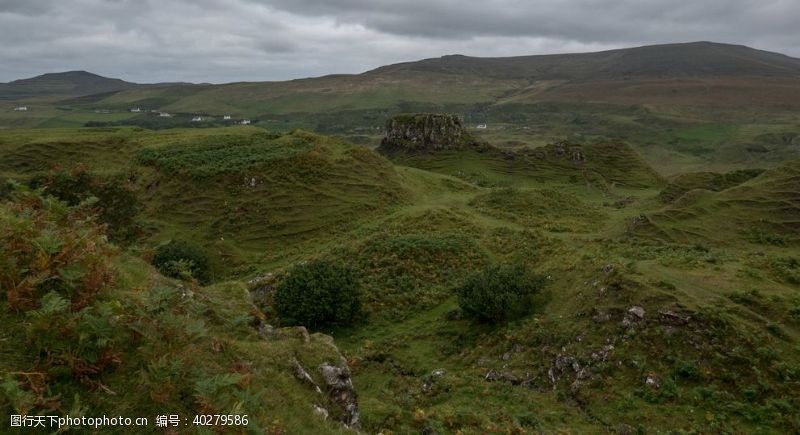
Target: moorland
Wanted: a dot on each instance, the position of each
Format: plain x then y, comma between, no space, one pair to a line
652,193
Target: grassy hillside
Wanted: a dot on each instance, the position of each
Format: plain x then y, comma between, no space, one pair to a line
684,107
654,316
764,209
602,165
141,345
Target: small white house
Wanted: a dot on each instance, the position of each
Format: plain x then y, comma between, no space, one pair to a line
481,127
21,109
136,110
226,118
245,122
165,115
197,119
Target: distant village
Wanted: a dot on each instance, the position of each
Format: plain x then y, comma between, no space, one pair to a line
161,114
195,118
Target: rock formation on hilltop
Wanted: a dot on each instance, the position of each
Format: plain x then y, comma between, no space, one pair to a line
422,132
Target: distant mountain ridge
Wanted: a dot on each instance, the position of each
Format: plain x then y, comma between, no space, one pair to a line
68,84
667,60
684,74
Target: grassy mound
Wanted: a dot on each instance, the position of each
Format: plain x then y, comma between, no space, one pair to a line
259,195
216,155
602,164
705,180
765,209
629,334
405,272
547,209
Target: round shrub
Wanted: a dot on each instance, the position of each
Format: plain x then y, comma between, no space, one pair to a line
499,293
178,259
317,294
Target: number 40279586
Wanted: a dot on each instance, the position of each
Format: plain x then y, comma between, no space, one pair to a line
220,420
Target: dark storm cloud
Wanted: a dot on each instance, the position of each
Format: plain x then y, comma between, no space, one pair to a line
221,41
576,20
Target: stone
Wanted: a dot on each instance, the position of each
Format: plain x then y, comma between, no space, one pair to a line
340,391
652,381
430,382
637,311
492,375
301,374
266,331
321,411
603,353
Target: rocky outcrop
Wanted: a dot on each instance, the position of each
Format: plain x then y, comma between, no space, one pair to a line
422,132
341,392
336,396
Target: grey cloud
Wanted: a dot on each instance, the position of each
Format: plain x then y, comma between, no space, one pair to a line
219,41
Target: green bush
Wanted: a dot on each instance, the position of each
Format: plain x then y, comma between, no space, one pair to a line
178,259
499,293
318,294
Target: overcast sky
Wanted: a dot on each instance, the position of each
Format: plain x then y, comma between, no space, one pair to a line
256,40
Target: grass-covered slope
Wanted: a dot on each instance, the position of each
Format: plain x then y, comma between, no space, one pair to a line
705,180
264,194
765,209
243,192
602,164
675,325
101,332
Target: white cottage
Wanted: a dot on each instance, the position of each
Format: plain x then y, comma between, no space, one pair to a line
21,109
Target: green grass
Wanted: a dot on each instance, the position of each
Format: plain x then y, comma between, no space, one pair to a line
547,209
705,180
762,209
217,155
413,229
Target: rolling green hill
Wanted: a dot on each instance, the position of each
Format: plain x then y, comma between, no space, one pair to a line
653,317
685,107
653,189
764,209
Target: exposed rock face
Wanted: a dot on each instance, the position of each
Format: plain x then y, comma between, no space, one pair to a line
425,132
341,391
336,395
